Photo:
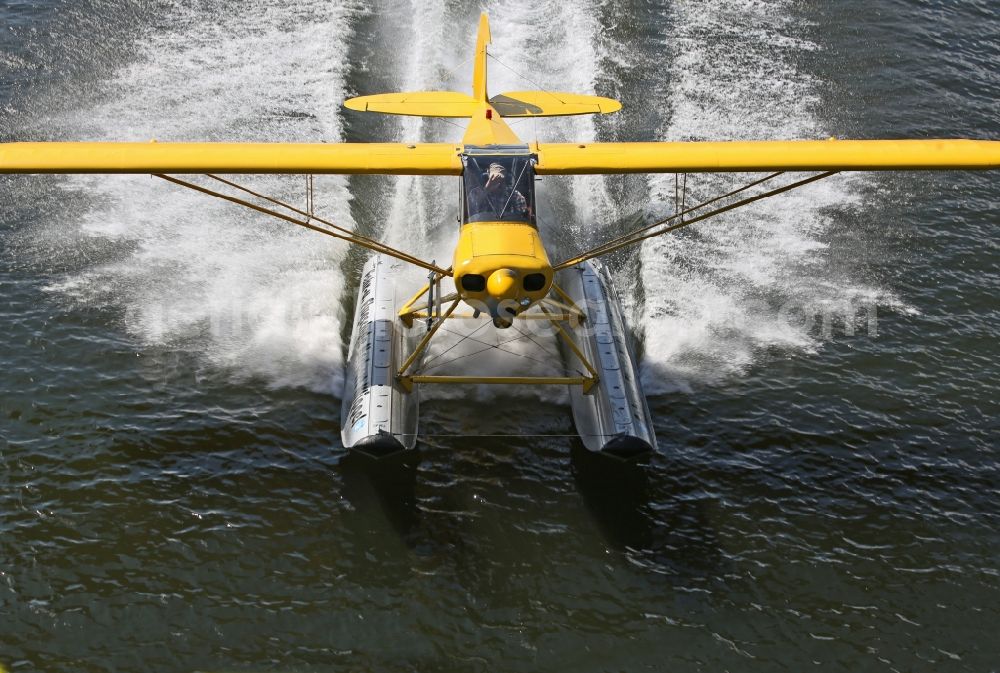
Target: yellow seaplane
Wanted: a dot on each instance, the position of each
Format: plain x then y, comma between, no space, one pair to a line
501,271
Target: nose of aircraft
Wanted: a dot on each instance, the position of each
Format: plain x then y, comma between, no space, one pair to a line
502,284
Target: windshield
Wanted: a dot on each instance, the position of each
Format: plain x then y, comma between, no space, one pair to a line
499,189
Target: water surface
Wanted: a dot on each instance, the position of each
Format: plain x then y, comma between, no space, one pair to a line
173,492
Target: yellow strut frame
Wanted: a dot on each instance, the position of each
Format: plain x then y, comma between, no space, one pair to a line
569,312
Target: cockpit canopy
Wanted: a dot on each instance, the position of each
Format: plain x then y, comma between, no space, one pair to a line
498,188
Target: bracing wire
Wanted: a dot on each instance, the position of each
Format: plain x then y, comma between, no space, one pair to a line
644,233
525,78
680,213
498,346
310,214
344,235
426,365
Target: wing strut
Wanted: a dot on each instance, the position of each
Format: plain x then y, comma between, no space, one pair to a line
344,235
650,230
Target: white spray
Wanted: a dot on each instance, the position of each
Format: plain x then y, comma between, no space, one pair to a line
720,294
251,296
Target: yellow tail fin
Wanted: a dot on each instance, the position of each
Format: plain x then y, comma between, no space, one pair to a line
479,71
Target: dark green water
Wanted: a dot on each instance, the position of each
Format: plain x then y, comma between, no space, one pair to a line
173,493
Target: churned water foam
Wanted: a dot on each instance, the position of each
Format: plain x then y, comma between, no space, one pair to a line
251,296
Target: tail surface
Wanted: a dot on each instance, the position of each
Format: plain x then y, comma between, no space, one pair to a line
483,39
456,104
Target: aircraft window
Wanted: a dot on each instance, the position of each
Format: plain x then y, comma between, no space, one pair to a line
499,189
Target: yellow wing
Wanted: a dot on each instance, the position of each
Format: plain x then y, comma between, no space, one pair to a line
768,155
154,157
553,159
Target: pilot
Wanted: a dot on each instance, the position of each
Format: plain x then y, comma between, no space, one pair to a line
497,195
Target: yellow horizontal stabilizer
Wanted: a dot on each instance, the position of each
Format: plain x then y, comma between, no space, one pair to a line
551,104
771,155
455,104
154,157
417,104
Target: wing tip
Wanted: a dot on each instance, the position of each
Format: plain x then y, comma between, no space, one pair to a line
609,105
358,103
484,28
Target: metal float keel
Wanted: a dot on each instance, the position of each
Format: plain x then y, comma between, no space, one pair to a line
613,417
378,417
